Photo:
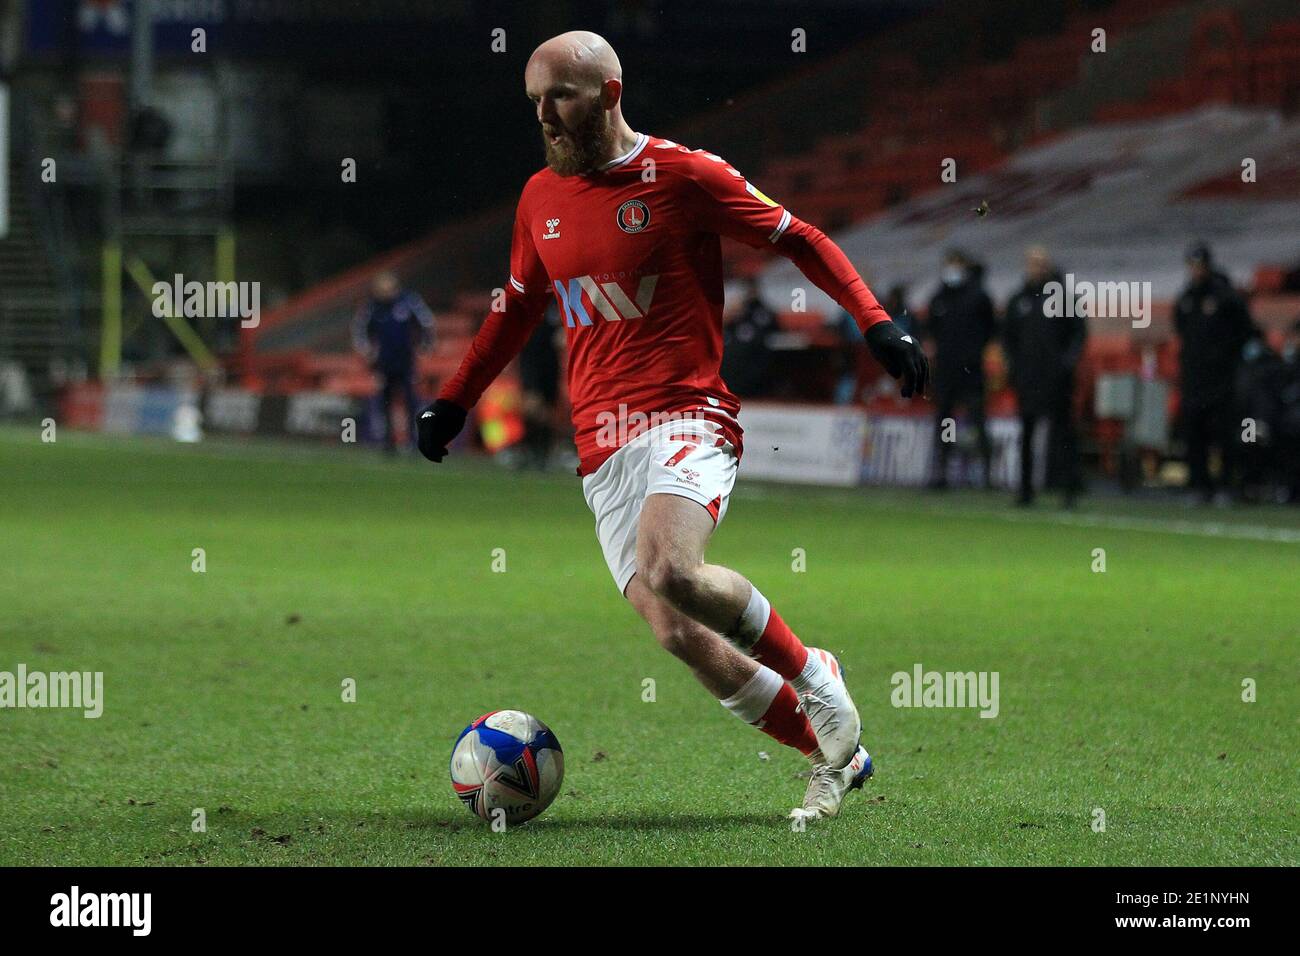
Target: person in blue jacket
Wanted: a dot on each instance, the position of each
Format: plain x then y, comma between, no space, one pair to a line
390,329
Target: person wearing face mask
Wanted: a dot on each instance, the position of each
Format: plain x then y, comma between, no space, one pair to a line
1213,325
961,323
1043,351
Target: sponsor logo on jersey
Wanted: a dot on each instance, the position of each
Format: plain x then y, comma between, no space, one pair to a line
608,299
633,216
552,229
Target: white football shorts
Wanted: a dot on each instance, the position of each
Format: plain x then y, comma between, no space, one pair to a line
691,459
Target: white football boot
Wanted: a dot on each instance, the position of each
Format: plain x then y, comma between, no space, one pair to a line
826,703
827,787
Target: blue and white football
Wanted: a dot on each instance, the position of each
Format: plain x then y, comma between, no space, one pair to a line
507,761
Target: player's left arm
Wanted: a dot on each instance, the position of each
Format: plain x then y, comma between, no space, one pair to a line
727,204
826,265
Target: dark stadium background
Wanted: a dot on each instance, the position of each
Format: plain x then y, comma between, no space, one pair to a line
293,621
225,164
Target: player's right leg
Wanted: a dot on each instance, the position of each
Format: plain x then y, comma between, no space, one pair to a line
751,691
671,537
754,693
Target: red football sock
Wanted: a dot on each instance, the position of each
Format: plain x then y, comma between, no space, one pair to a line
779,649
785,721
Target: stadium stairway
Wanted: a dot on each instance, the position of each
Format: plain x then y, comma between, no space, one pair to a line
33,312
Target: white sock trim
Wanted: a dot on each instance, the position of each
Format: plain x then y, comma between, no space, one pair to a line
753,620
751,702
810,674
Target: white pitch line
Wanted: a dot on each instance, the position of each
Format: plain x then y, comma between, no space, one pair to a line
1203,529
1213,529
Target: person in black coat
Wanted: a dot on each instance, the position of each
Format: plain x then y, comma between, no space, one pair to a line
1043,351
539,381
747,350
961,323
1214,325
1288,423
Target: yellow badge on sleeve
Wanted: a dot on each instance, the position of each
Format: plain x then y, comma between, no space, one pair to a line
758,194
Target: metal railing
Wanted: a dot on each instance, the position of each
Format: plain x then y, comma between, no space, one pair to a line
47,203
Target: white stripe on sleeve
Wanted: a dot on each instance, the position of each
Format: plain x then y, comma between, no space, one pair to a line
781,226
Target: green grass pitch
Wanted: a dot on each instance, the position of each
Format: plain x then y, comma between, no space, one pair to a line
1119,691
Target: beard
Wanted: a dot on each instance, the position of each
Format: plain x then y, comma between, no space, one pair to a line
581,149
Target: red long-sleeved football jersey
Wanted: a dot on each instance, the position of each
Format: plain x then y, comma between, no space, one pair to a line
633,256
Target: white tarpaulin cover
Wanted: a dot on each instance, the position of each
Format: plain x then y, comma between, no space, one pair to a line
1115,202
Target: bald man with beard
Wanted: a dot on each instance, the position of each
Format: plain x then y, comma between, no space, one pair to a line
623,229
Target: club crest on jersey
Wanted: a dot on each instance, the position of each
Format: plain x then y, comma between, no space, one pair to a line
633,216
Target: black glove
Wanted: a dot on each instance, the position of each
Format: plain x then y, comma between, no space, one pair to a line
901,357
437,426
